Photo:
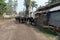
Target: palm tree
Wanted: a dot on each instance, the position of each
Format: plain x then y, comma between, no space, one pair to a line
33,4
27,5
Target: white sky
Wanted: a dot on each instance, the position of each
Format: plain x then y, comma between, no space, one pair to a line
20,6
21,2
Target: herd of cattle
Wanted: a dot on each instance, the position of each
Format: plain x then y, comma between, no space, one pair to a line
33,21
19,19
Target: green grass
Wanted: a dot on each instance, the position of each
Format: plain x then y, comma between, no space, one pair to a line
2,19
47,32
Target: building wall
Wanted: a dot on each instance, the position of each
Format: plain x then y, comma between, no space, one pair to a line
41,19
54,19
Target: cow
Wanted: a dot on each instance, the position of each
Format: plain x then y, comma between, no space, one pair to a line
25,19
31,20
17,18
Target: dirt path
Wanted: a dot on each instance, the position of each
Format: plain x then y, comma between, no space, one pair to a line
12,31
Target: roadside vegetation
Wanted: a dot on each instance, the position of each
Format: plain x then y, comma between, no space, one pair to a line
28,4
47,32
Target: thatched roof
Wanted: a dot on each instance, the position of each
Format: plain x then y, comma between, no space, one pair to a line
48,6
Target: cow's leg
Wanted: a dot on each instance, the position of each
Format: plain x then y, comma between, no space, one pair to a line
19,20
16,19
22,20
25,20
30,21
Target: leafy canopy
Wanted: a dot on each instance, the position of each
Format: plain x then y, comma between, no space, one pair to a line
2,7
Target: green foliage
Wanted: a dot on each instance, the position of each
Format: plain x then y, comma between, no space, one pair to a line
15,5
11,7
33,4
21,13
2,7
47,32
27,4
53,1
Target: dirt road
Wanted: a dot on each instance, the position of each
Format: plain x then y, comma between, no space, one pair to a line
12,31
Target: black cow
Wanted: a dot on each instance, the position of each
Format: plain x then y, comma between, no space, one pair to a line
31,20
25,19
20,19
17,19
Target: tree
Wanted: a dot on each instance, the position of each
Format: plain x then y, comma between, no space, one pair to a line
53,1
11,7
15,5
27,4
21,13
2,7
33,4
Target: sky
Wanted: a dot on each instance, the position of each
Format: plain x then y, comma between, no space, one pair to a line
20,6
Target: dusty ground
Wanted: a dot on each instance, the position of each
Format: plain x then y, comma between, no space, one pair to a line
9,30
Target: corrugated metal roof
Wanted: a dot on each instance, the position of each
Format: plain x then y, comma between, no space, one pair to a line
48,6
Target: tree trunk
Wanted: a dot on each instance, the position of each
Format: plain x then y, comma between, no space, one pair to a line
27,11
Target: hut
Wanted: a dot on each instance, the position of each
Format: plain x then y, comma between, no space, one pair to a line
49,15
